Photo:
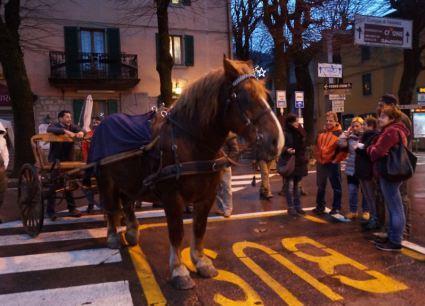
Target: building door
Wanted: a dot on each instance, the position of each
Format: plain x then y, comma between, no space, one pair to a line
93,52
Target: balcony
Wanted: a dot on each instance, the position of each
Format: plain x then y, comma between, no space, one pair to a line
93,71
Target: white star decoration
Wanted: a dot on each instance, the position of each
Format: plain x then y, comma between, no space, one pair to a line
260,72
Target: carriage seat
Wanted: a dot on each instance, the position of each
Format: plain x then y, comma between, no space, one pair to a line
40,157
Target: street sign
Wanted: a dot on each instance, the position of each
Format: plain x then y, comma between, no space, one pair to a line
281,99
421,98
337,97
326,70
410,106
381,32
338,106
337,89
299,99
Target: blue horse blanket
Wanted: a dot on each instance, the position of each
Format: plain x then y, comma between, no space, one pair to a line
119,133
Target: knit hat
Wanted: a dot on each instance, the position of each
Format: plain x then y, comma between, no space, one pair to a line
389,99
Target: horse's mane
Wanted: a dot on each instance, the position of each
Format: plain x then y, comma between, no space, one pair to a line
200,99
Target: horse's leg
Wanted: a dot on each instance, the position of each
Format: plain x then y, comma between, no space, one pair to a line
204,265
180,276
109,197
132,230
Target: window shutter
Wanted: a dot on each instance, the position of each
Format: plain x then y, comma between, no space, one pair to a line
77,107
72,64
112,107
189,53
186,2
114,52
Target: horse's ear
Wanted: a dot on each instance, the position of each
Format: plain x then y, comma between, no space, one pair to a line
229,69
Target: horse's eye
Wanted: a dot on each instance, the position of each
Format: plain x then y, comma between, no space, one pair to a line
234,95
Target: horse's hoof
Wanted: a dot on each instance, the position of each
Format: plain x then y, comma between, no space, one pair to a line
113,242
182,282
207,271
132,238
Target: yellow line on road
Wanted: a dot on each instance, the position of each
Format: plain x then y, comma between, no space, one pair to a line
315,219
413,254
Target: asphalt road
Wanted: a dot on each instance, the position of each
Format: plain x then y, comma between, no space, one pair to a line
264,257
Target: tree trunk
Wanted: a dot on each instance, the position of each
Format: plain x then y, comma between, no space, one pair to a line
22,102
305,83
164,64
280,66
411,69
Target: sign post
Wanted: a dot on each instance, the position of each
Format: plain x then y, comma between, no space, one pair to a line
383,32
281,100
326,70
299,104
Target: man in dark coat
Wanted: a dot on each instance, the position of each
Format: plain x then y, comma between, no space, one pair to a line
62,151
295,144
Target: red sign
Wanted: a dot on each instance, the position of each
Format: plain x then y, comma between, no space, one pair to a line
4,96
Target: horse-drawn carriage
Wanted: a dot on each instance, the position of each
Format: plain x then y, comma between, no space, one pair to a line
39,181
183,162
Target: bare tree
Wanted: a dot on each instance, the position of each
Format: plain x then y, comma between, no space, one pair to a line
246,16
412,64
275,17
12,60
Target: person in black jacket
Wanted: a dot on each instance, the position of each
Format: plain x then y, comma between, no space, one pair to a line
364,172
62,151
295,144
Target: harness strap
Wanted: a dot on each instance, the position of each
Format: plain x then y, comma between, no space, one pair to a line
187,168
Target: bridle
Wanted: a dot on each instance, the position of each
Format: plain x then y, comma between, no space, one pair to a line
249,123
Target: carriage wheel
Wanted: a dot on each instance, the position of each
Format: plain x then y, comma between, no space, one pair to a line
30,200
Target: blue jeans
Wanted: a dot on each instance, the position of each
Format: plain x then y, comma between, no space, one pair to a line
397,220
353,194
224,193
324,172
368,190
292,192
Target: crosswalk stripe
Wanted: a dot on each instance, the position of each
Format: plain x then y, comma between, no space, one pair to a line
57,260
86,218
103,294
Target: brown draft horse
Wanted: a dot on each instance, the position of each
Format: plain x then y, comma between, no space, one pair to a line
195,128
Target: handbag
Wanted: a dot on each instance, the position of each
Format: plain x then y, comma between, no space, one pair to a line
286,165
399,165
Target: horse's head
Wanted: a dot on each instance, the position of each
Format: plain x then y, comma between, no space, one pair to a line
247,112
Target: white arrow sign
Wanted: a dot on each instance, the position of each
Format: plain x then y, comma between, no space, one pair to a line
326,70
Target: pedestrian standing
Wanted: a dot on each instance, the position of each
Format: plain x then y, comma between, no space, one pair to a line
329,156
224,198
4,162
393,131
349,139
392,100
295,144
364,172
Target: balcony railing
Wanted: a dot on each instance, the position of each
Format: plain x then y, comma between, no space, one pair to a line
88,69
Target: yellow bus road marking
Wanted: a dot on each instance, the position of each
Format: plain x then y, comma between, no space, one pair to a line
146,277
315,219
378,284
413,254
238,250
251,297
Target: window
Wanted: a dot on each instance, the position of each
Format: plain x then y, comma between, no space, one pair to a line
367,84
100,107
181,49
181,2
365,53
92,47
176,49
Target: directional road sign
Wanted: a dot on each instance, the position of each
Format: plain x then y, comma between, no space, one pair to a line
337,89
281,99
381,32
337,97
326,70
299,99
